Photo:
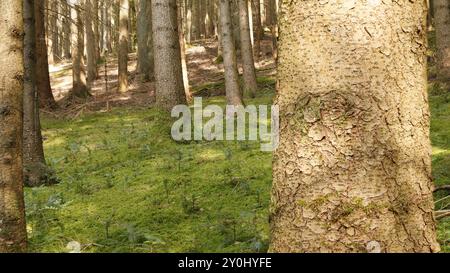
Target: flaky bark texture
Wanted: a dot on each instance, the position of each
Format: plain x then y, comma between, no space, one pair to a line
353,170
123,46
442,23
234,95
248,63
12,216
168,69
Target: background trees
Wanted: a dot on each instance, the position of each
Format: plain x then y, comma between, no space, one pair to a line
353,170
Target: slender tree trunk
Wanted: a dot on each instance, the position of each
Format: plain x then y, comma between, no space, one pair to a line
53,15
143,32
258,29
90,44
442,24
248,63
187,89
123,46
66,30
79,88
46,98
13,236
353,169
33,151
234,95
168,69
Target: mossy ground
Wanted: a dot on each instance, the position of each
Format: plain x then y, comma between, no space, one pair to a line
126,186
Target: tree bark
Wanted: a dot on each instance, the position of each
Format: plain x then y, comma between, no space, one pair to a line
46,98
33,152
353,169
79,88
123,46
259,32
91,54
13,236
233,92
168,68
442,24
248,63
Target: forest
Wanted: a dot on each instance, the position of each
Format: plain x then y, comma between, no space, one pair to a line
224,126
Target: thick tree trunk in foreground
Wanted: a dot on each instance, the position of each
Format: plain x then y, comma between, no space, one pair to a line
234,95
33,151
123,46
442,24
13,234
79,88
353,169
46,98
248,63
168,69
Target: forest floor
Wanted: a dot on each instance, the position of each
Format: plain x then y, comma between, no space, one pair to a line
126,186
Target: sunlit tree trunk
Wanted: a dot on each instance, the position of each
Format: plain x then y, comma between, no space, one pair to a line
168,69
234,95
248,63
79,88
123,46
46,98
353,169
91,54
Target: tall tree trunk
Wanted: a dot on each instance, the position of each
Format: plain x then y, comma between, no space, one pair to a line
46,98
53,16
33,151
187,89
66,29
168,68
353,169
145,62
91,53
248,63
442,24
259,32
13,236
234,95
79,88
123,46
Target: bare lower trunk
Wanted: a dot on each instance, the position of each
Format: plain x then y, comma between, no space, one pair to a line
35,169
123,46
442,23
79,88
234,95
248,63
353,169
168,68
90,44
46,98
13,236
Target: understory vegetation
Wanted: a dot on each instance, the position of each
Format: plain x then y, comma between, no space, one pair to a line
126,186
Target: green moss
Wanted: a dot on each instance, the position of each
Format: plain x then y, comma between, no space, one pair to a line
126,186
